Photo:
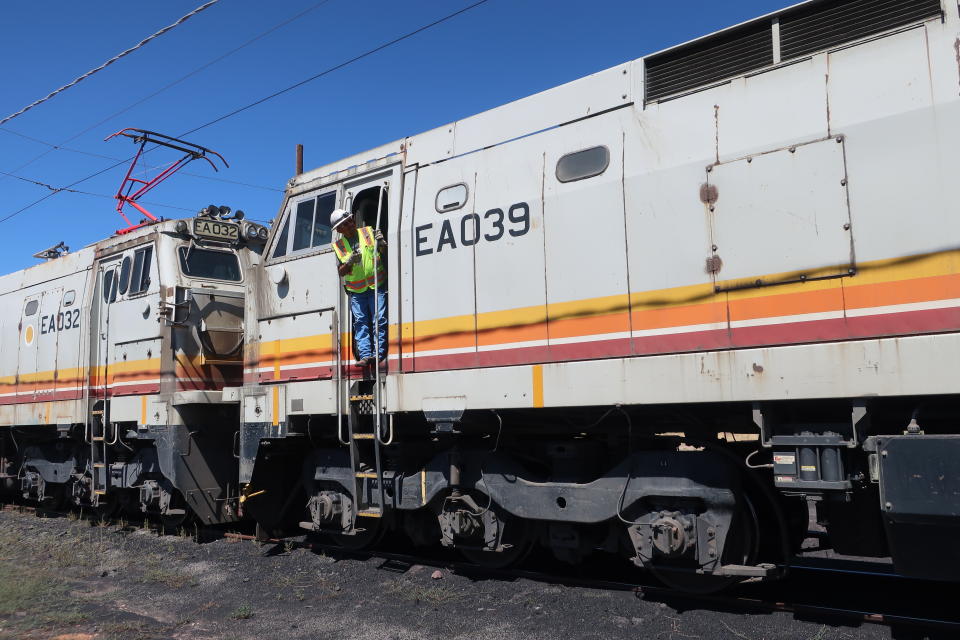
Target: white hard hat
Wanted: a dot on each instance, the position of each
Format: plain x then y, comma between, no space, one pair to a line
338,216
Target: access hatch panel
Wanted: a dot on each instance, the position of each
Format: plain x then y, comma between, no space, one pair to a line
778,217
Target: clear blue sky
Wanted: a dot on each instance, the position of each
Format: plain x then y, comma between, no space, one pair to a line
498,52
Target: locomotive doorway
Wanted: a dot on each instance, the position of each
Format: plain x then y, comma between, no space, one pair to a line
104,294
374,200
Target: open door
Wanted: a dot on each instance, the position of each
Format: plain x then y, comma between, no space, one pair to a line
373,201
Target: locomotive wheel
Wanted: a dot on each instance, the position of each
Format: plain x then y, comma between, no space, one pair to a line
517,535
741,548
107,507
373,531
175,523
57,497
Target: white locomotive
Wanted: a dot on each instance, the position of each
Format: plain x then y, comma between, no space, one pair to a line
664,310
113,361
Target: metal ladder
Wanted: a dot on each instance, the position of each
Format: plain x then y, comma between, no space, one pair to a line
99,450
365,449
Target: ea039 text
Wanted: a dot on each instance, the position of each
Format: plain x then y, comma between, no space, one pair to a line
472,228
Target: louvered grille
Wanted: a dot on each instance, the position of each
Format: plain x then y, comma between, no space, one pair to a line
724,56
826,25
805,30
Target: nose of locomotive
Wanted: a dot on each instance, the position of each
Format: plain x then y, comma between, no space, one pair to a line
220,327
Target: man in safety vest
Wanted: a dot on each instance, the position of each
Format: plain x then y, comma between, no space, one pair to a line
362,270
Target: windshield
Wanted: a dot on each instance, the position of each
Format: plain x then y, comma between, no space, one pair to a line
206,263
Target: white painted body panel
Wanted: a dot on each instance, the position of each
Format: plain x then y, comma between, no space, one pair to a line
834,166
51,366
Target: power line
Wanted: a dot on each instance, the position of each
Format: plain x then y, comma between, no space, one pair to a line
170,85
330,70
61,147
367,53
56,190
110,61
59,190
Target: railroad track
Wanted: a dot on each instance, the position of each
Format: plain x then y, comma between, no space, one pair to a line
642,585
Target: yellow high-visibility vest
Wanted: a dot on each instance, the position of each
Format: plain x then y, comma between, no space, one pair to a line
361,277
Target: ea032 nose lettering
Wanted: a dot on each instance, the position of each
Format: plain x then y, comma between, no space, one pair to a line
60,321
492,226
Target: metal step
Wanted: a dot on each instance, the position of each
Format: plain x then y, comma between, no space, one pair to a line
98,439
100,492
363,436
366,474
99,465
361,398
369,514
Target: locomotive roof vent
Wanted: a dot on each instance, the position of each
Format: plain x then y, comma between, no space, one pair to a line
788,35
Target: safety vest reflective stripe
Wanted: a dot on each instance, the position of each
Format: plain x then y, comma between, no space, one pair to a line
361,277
342,248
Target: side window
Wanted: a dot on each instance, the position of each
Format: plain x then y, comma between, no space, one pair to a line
303,225
583,164
310,220
281,249
322,234
69,297
110,285
31,307
451,198
140,278
125,275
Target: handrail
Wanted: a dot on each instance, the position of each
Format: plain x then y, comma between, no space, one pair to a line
378,403
337,329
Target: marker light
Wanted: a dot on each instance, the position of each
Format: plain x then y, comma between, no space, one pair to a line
181,226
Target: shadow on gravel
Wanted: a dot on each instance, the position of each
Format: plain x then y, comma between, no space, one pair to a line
822,606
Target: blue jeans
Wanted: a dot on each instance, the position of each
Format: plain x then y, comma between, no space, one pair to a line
362,310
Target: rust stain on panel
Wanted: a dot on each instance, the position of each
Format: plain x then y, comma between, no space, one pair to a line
708,193
714,264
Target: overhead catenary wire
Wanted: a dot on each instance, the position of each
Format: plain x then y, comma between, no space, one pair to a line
55,190
11,174
106,64
169,85
337,67
327,71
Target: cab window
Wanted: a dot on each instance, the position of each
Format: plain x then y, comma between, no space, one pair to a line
125,275
140,277
307,225
210,264
109,285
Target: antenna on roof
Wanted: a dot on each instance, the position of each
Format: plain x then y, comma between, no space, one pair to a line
54,252
131,189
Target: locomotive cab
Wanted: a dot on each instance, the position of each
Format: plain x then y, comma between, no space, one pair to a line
129,411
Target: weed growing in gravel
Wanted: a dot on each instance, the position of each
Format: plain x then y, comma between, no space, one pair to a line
155,572
430,594
243,612
19,590
130,630
35,598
